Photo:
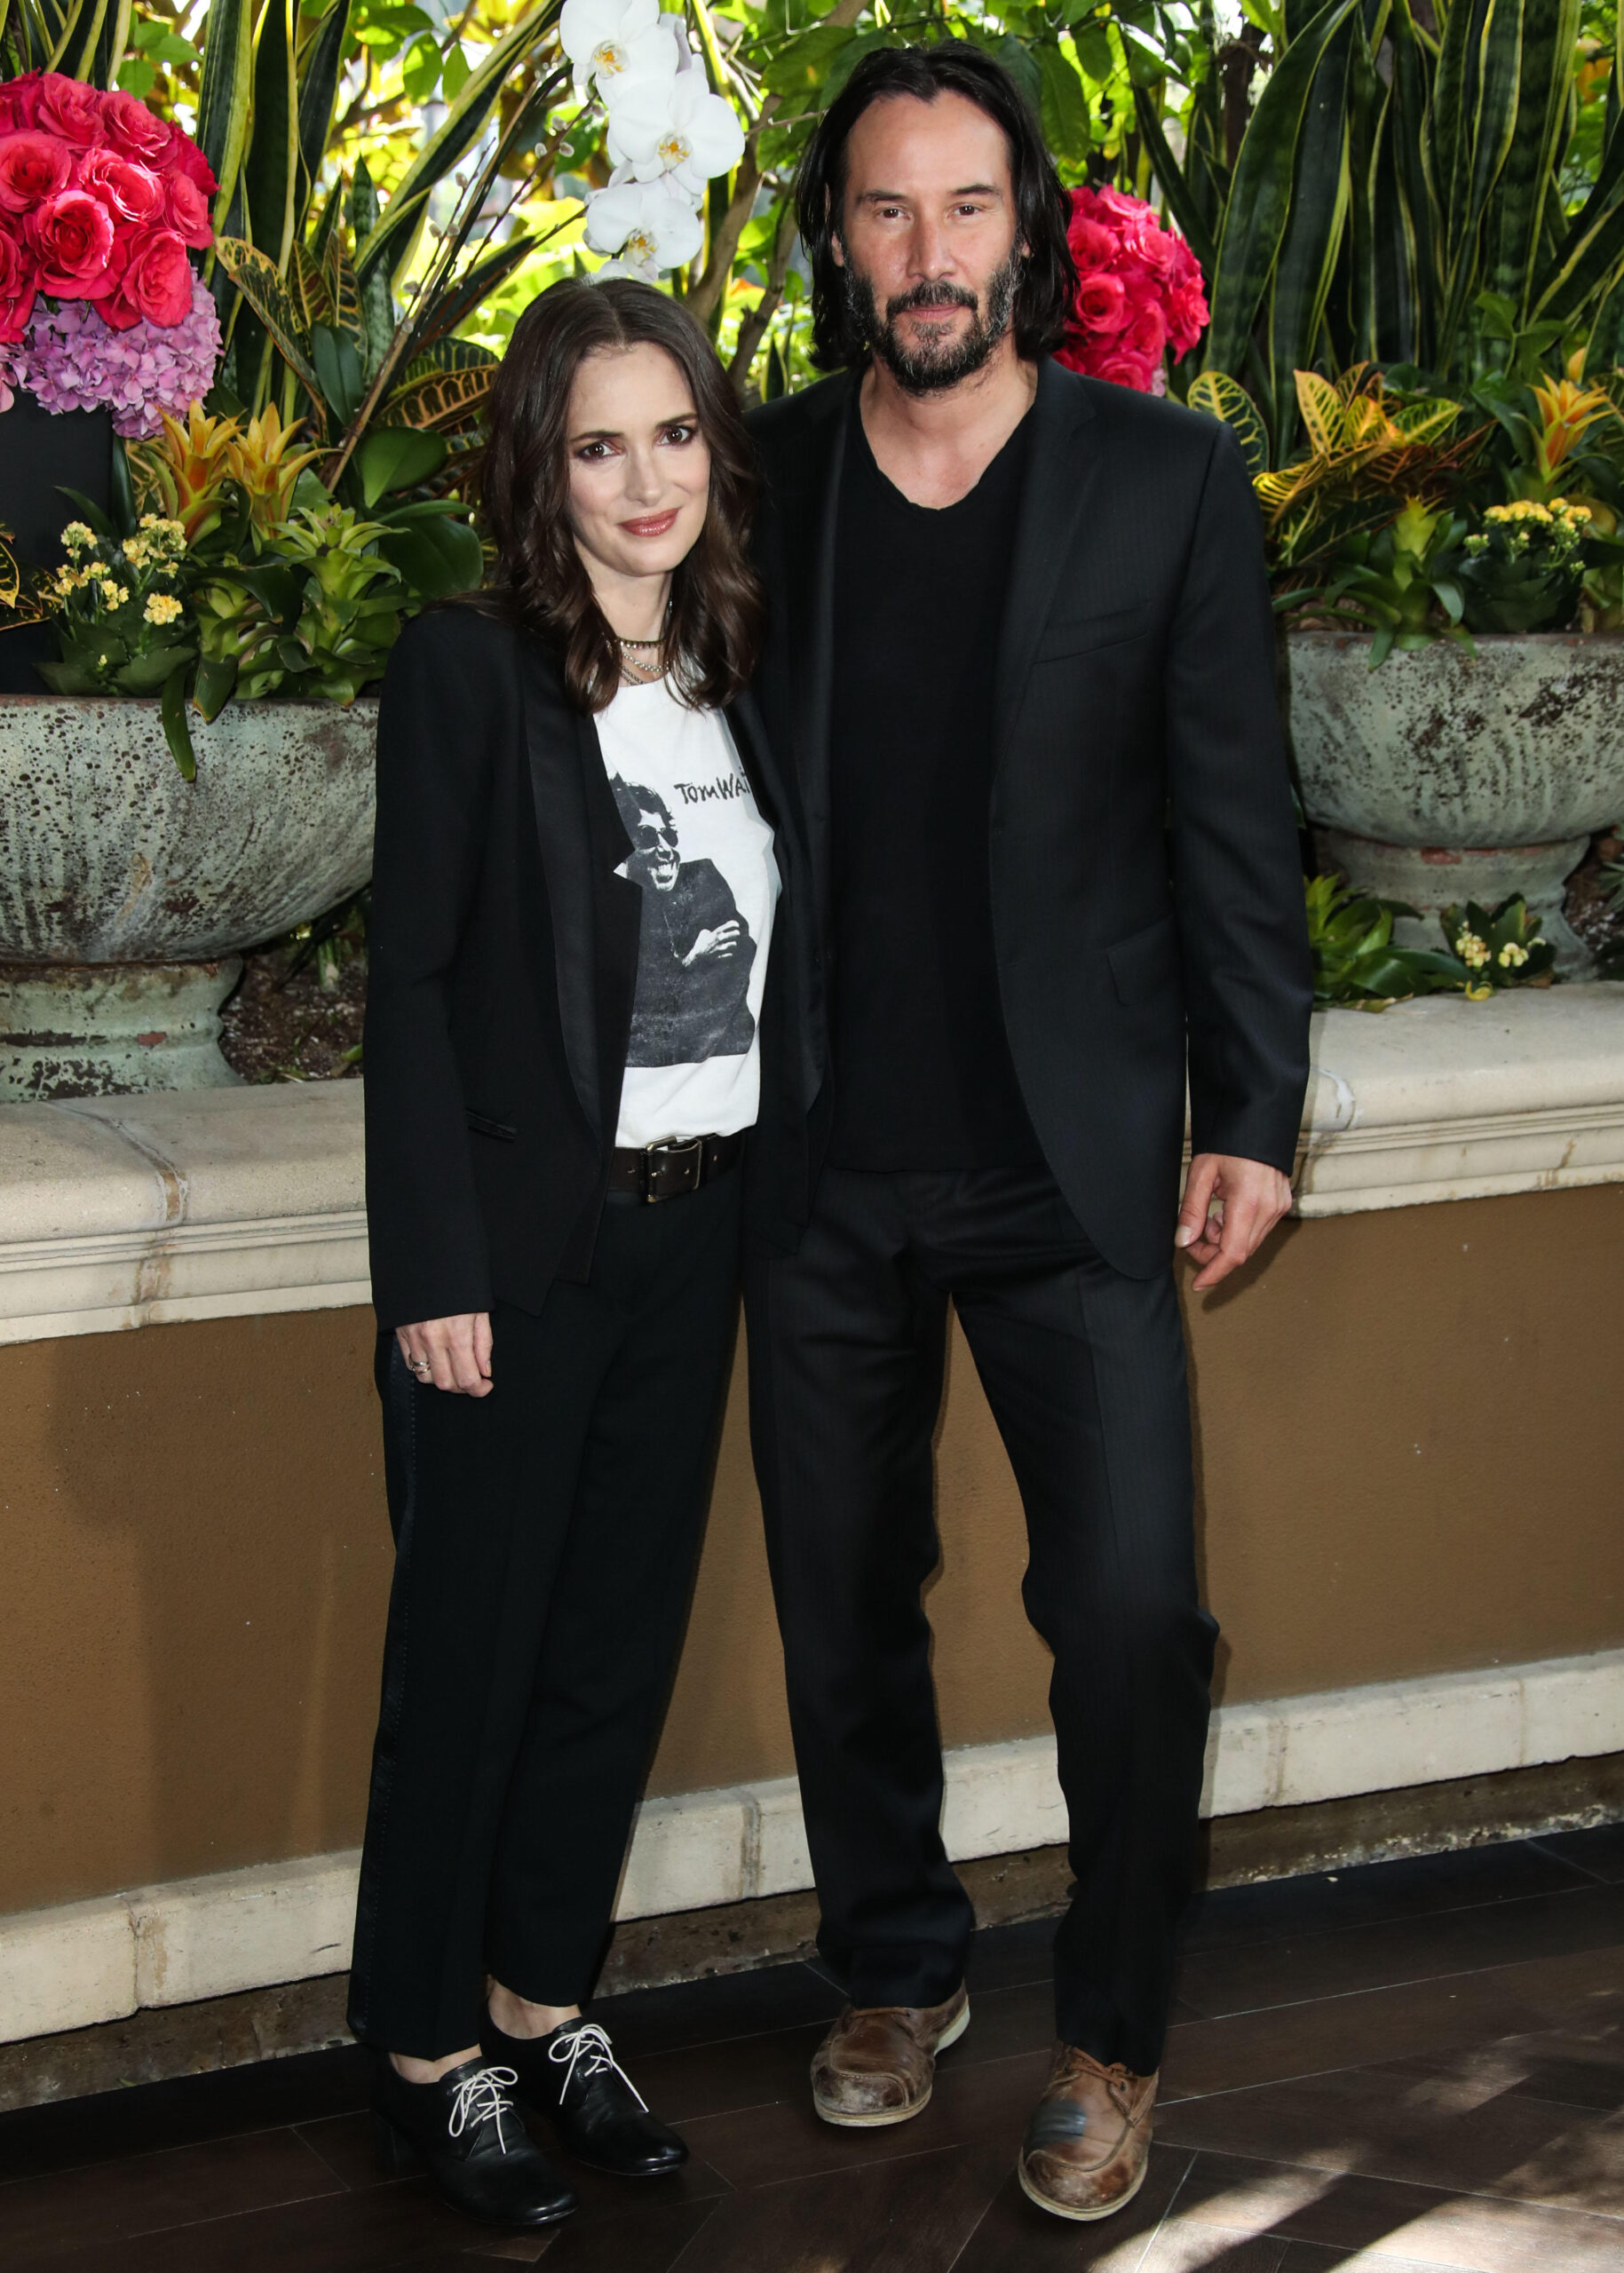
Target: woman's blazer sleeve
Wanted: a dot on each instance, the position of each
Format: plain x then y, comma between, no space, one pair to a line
436,726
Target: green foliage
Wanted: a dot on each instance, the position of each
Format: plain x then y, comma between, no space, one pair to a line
1357,965
1392,201
1522,569
1394,581
1496,948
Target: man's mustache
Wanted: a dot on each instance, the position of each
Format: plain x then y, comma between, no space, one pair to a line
931,296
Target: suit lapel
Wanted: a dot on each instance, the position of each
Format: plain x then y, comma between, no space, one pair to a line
810,548
1060,475
590,952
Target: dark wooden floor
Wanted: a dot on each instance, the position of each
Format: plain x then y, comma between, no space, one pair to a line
1415,2064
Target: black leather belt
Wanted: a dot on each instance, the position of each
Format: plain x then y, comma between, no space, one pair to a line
666,1171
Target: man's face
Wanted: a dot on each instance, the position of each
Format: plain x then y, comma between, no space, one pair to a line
654,857
928,238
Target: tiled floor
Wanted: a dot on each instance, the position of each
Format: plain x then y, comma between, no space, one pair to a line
1415,2065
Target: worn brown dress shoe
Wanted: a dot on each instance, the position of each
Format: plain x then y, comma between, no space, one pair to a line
1088,2140
877,2063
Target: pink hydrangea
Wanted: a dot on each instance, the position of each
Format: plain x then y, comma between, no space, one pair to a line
1138,292
70,360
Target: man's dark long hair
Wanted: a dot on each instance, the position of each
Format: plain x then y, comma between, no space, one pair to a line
1047,275
540,579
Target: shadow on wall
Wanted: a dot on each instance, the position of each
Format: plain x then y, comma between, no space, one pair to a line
198,1562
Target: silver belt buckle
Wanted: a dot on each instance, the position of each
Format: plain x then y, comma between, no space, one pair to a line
695,1147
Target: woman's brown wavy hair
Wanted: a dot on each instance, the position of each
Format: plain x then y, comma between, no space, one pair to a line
540,580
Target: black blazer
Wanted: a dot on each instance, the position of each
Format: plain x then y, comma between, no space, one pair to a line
502,967
1146,885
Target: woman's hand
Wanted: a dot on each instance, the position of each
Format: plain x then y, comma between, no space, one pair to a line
453,1353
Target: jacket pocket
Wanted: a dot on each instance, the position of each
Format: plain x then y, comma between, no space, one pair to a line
483,1125
1081,635
1146,962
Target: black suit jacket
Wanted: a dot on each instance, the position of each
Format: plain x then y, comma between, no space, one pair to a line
502,969
1147,886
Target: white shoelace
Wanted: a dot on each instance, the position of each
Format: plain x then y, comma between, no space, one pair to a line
588,2047
481,2098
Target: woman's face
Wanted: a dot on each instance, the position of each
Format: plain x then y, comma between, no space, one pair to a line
639,470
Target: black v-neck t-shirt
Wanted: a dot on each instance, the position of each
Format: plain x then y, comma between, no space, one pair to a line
923,1075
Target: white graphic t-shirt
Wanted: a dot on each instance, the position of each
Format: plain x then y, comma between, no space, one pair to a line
703,856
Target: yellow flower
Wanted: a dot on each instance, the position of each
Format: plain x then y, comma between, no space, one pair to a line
76,536
1473,952
113,595
162,608
1511,956
136,551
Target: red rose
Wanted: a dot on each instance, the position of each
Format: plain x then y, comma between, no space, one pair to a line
1188,314
1156,250
186,158
16,288
189,212
156,284
19,103
73,237
33,167
1092,244
68,108
1101,305
1125,370
134,131
1146,335
131,192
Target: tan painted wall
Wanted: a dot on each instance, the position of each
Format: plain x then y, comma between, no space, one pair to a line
1410,1460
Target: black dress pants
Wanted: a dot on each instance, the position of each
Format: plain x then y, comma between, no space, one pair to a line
1084,1370
545,1538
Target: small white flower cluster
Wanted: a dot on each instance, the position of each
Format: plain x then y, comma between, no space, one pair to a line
667,133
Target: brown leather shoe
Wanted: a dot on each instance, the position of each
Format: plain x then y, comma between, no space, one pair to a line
1088,2142
877,2063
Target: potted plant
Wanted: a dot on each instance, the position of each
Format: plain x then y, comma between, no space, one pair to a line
1421,370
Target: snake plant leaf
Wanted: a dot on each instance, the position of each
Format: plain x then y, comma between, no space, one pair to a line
271,162
378,307
265,292
388,246
1171,181
224,95
318,83
1260,196
1484,131
1222,397
1512,250
1312,238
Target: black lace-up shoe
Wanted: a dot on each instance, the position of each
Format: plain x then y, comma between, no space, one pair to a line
474,2141
573,2078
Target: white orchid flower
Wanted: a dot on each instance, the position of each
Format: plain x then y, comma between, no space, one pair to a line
649,224
614,44
676,127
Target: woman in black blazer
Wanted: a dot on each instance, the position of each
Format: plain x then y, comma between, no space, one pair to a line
573,895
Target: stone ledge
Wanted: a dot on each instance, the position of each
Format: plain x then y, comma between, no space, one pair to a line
235,1930
147,1210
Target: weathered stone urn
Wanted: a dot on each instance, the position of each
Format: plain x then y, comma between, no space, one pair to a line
1444,776
128,894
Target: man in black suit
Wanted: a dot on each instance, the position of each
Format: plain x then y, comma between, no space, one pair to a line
1042,862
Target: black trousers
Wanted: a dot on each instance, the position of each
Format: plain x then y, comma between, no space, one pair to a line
545,1539
1084,1370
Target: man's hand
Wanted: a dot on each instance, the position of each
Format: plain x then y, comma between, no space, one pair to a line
454,1353
1230,1208
721,943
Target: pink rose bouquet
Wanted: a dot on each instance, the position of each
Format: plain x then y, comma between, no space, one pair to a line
101,203
1138,292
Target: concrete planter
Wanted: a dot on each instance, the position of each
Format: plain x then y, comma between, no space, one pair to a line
1446,776
127,894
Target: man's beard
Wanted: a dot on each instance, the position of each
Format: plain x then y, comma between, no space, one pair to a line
928,368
